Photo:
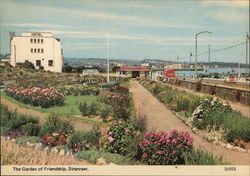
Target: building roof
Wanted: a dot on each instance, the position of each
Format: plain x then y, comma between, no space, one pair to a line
133,69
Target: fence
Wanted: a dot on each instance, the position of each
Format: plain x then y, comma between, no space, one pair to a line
229,93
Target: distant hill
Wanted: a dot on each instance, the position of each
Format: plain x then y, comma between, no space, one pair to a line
103,62
97,61
4,56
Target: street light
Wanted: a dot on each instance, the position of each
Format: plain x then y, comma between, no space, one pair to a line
196,35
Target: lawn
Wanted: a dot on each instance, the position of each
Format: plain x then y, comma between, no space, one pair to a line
70,106
125,84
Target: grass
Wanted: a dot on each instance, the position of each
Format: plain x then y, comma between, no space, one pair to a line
24,139
93,155
125,84
14,154
70,106
69,109
200,157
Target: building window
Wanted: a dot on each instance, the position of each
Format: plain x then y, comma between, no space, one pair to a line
42,50
50,62
31,40
38,63
34,40
31,50
38,40
35,50
41,40
38,50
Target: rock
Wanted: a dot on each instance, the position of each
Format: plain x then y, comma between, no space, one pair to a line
112,164
221,144
68,153
241,149
27,143
54,150
31,145
194,129
8,138
62,152
13,140
101,161
215,142
229,146
39,146
46,149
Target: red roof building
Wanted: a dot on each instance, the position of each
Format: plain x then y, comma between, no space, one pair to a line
133,72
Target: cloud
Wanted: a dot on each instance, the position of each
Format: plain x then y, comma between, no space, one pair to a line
128,4
148,39
229,16
45,25
144,21
229,3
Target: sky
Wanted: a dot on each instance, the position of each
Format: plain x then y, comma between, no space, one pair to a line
139,29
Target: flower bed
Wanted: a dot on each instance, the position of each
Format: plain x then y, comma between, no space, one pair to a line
36,96
120,100
203,112
78,90
165,148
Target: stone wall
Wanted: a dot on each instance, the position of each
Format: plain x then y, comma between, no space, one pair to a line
229,93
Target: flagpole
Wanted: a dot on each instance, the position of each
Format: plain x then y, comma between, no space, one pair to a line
108,57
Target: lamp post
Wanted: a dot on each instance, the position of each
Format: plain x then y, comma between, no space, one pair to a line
196,35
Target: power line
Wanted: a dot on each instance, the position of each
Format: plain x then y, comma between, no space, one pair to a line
216,50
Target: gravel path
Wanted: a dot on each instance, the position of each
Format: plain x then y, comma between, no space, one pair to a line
78,125
162,119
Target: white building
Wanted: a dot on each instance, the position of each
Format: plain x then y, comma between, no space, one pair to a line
40,48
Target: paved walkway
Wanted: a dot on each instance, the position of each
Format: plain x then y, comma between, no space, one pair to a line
162,119
78,125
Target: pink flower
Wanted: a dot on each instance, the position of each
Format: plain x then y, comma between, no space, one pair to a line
111,139
145,155
159,152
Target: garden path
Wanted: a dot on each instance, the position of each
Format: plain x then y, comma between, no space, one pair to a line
162,119
78,125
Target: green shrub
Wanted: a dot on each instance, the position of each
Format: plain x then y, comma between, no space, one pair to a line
80,140
122,138
24,139
93,155
93,108
182,102
200,157
140,123
83,107
31,129
204,114
14,120
55,124
105,112
5,129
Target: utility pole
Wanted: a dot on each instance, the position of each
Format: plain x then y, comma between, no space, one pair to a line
238,69
177,66
246,52
190,63
108,57
209,59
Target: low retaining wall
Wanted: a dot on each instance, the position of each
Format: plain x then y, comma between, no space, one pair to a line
225,92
